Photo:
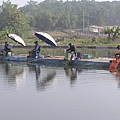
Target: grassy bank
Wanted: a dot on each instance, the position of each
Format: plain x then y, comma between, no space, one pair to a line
63,39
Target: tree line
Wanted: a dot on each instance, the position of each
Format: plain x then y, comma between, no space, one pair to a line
57,15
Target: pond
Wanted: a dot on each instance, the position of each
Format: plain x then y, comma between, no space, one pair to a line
39,92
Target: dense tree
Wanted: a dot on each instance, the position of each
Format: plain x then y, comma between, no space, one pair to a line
69,14
58,15
13,20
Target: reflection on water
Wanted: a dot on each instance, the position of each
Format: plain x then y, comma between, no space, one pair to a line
116,74
45,81
7,68
44,77
72,72
36,69
11,74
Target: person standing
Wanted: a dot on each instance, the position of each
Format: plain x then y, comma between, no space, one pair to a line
70,53
71,48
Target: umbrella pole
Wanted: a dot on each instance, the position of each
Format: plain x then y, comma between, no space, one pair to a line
41,47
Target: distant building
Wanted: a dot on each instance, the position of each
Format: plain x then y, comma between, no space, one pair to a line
97,30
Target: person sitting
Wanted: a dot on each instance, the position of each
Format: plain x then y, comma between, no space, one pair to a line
6,49
79,56
118,47
35,53
117,55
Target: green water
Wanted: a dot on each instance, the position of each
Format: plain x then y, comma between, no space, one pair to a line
61,51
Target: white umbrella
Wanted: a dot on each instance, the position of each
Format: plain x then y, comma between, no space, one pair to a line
46,38
16,38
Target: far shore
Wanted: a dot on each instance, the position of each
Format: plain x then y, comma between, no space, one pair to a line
92,47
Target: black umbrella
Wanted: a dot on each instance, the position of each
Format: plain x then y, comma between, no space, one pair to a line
46,38
16,38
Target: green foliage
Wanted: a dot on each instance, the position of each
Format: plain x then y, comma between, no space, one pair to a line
53,14
13,19
59,15
107,30
113,33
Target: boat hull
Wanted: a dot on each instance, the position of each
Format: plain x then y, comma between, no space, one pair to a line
54,61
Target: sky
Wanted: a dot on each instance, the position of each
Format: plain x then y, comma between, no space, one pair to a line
22,3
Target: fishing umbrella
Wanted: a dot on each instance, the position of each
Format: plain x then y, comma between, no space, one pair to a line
16,38
46,38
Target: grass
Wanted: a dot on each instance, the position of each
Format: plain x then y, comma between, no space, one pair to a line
63,39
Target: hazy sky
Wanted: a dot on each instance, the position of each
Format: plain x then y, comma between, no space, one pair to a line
21,3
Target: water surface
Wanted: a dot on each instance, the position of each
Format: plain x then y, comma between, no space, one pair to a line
38,92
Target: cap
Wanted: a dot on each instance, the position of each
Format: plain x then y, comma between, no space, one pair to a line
70,44
36,42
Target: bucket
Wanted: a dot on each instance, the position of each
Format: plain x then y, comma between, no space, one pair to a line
68,56
87,56
9,54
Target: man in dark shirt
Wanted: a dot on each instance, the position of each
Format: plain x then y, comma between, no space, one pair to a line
70,53
6,48
71,48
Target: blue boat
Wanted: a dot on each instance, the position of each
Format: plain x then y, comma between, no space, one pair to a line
96,62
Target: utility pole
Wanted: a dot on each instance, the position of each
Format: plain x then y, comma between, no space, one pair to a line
88,24
83,22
